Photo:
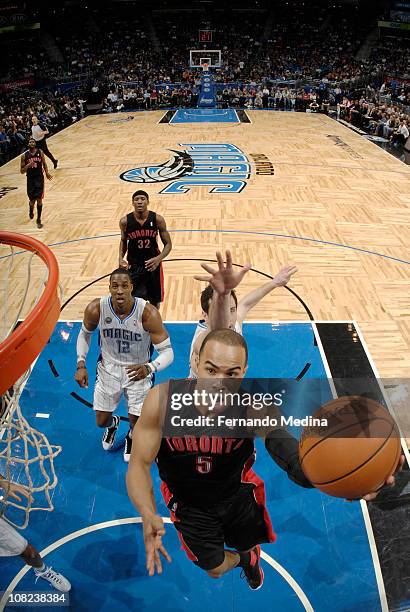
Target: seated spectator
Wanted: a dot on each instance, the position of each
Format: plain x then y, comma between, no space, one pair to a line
390,126
400,134
258,102
4,145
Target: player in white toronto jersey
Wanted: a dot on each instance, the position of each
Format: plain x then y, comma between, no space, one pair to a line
223,312
127,328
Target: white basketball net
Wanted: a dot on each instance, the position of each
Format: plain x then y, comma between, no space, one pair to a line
27,459
26,456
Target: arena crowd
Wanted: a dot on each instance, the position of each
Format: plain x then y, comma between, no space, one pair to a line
140,62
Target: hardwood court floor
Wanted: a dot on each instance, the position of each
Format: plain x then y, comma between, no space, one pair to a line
330,186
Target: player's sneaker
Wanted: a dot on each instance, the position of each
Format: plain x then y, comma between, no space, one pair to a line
39,224
108,438
127,447
54,578
251,569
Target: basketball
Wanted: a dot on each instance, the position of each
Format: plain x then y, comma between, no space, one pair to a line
355,452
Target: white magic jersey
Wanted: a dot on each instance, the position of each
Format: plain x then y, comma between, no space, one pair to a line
123,342
202,327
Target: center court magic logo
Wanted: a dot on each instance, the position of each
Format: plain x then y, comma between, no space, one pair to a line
222,167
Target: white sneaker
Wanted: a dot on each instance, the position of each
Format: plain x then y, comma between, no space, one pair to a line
54,578
108,438
127,447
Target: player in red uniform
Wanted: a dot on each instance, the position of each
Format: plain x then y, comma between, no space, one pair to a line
213,494
139,231
214,497
33,164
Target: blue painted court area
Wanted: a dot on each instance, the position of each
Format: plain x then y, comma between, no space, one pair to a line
321,541
205,115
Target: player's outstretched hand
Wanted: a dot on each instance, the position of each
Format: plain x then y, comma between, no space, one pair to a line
153,531
81,376
123,264
49,176
390,481
284,275
226,277
15,490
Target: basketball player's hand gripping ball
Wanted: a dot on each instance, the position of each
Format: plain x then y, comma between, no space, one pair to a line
390,481
356,453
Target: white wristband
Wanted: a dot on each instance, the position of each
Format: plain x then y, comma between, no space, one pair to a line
83,343
165,356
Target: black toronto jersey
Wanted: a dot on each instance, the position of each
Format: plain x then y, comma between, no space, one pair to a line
200,469
141,239
37,171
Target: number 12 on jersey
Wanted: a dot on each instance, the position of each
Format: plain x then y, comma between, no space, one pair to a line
123,346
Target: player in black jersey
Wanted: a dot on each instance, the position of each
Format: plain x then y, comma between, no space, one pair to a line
34,165
139,231
214,497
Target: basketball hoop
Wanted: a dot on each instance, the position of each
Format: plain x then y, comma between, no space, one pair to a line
199,57
26,456
23,345
205,67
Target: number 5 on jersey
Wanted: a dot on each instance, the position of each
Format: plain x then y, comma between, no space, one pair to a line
203,464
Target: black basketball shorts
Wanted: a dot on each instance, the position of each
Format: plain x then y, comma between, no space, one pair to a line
35,188
147,285
240,523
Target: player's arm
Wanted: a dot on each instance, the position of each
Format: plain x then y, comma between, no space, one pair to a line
254,297
153,263
147,437
152,323
43,160
165,237
90,323
219,313
284,450
146,442
23,166
223,281
123,243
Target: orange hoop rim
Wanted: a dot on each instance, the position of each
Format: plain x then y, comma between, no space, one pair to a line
25,343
